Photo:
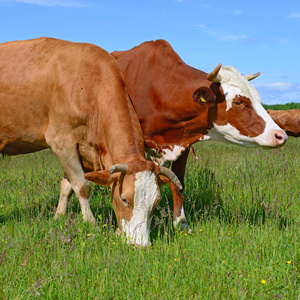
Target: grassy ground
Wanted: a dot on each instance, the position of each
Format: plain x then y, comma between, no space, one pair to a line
242,205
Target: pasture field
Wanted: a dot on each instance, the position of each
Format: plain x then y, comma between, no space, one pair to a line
242,205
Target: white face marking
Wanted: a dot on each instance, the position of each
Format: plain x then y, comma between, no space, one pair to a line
233,83
162,156
230,134
146,193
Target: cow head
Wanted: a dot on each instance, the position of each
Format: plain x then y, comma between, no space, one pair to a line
135,193
240,117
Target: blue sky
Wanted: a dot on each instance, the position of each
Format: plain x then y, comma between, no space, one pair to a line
256,35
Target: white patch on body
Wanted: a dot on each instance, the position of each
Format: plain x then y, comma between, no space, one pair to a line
205,138
234,83
162,156
146,193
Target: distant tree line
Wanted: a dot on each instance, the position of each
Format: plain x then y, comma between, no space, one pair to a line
286,106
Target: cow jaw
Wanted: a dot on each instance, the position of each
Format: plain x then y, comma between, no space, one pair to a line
137,229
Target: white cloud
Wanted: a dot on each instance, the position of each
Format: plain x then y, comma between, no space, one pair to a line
294,15
279,93
282,41
221,36
65,3
280,86
200,25
231,37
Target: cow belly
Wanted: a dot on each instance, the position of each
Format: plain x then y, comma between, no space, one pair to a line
20,147
21,137
23,123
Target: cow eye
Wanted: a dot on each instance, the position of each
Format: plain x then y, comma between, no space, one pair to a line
237,103
124,200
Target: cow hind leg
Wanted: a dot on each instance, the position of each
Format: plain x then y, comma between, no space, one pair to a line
66,192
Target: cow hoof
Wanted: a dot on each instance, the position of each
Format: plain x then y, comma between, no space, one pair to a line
182,225
185,227
93,221
58,215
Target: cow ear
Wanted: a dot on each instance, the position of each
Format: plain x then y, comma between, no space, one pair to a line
204,96
103,178
162,180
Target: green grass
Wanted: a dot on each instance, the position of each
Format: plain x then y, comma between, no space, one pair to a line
242,205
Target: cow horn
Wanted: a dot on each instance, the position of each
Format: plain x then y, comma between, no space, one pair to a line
250,77
170,175
118,168
214,76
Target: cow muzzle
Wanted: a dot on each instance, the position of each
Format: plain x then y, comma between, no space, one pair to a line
280,137
275,138
136,234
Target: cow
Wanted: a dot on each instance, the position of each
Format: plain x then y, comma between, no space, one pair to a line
288,120
178,105
71,97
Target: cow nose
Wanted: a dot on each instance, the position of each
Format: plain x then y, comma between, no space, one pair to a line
280,137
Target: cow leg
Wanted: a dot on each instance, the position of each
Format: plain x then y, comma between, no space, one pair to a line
70,160
178,167
80,186
66,192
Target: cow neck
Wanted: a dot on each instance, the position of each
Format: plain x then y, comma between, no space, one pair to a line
176,119
121,135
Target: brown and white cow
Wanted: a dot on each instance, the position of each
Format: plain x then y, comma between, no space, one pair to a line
178,105
288,120
71,97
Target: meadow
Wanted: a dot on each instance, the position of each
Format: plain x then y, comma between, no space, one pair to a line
242,206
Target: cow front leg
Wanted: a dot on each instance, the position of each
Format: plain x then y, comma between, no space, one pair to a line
69,158
66,192
178,167
80,186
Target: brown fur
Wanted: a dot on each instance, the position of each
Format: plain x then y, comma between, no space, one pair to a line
71,97
288,120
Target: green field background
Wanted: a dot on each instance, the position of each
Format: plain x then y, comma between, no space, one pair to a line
242,205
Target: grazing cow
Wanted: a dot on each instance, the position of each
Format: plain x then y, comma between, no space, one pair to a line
71,97
178,105
288,120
